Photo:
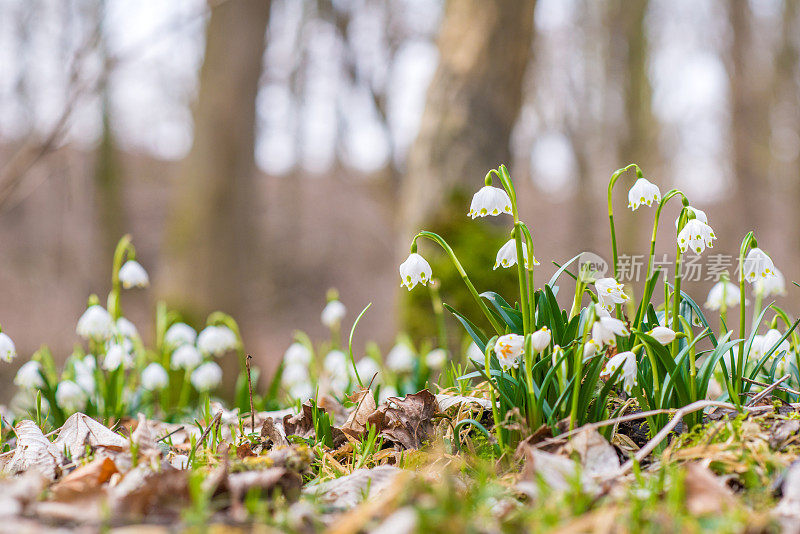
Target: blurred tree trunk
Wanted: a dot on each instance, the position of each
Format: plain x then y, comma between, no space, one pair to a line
209,237
749,114
108,184
472,104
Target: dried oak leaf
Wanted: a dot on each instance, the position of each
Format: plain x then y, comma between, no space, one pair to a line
33,452
350,490
85,480
143,491
302,424
80,430
271,434
706,493
407,421
266,480
357,421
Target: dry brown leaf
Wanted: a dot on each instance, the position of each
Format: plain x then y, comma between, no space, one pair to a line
145,492
348,491
271,434
356,424
86,479
16,493
706,494
33,452
598,458
788,509
448,401
407,421
80,430
144,435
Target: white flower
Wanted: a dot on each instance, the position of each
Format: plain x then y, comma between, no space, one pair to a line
757,265
207,376
475,354
180,334
294,374
722,293
7,349
540,339
436,359
335,364
333,313
301,391
216,340
386,392
186,357
297,353
605,330
29,375
696,235
590,349
507,255
127,329
757,347
643,192
400,359
415,270
70,396
629,369
489,201
367,368
771,339
116,355
84,373
132,274
154,377
771,285
662,334
700,215
95,323
610,292
509,349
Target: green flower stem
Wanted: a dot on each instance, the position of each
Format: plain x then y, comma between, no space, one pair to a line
495,412
533,412
578,367
436,238
676,297
611,183
123,246
531,287
654,367
748,242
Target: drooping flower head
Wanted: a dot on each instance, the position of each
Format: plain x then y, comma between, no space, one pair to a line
126,329
294,374
367,368
643,192
29,375
629,369
7,349
132,274
696,235
436,359
489,200
297,354
610,292
722,293
180,334
700,215
206,377
186,357
154,377
507,256
117,356
758,266
770,285
401,358
415,270
606,329
770,339
540,339
333,313
95,323
662,334
70,396
216,340
509,350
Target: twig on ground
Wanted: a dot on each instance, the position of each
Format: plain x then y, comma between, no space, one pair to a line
779,388
216,419
165,436
768,390
250,391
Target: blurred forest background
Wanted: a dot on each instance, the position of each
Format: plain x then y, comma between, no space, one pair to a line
262,151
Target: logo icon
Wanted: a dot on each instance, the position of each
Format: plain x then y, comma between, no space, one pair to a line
591,266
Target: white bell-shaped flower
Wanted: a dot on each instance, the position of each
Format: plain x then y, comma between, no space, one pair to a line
507,255
770,285
367,368
206,377
180,334
758,266
696,235
154,377
297,354
509,349
293,374
84,373
722,293
643,192
70,396
386,393
29,376
436,359
540,339
489,201
216,340
132,274
117,356
301,391
606,329
475,354
186,357
630,369
662,334
336,365
333,313
7,349
126,329
700,215
400,359
770,339
415,270
610,292
95,323
590,348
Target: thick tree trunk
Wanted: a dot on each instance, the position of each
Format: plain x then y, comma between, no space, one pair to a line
472,103
209,239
